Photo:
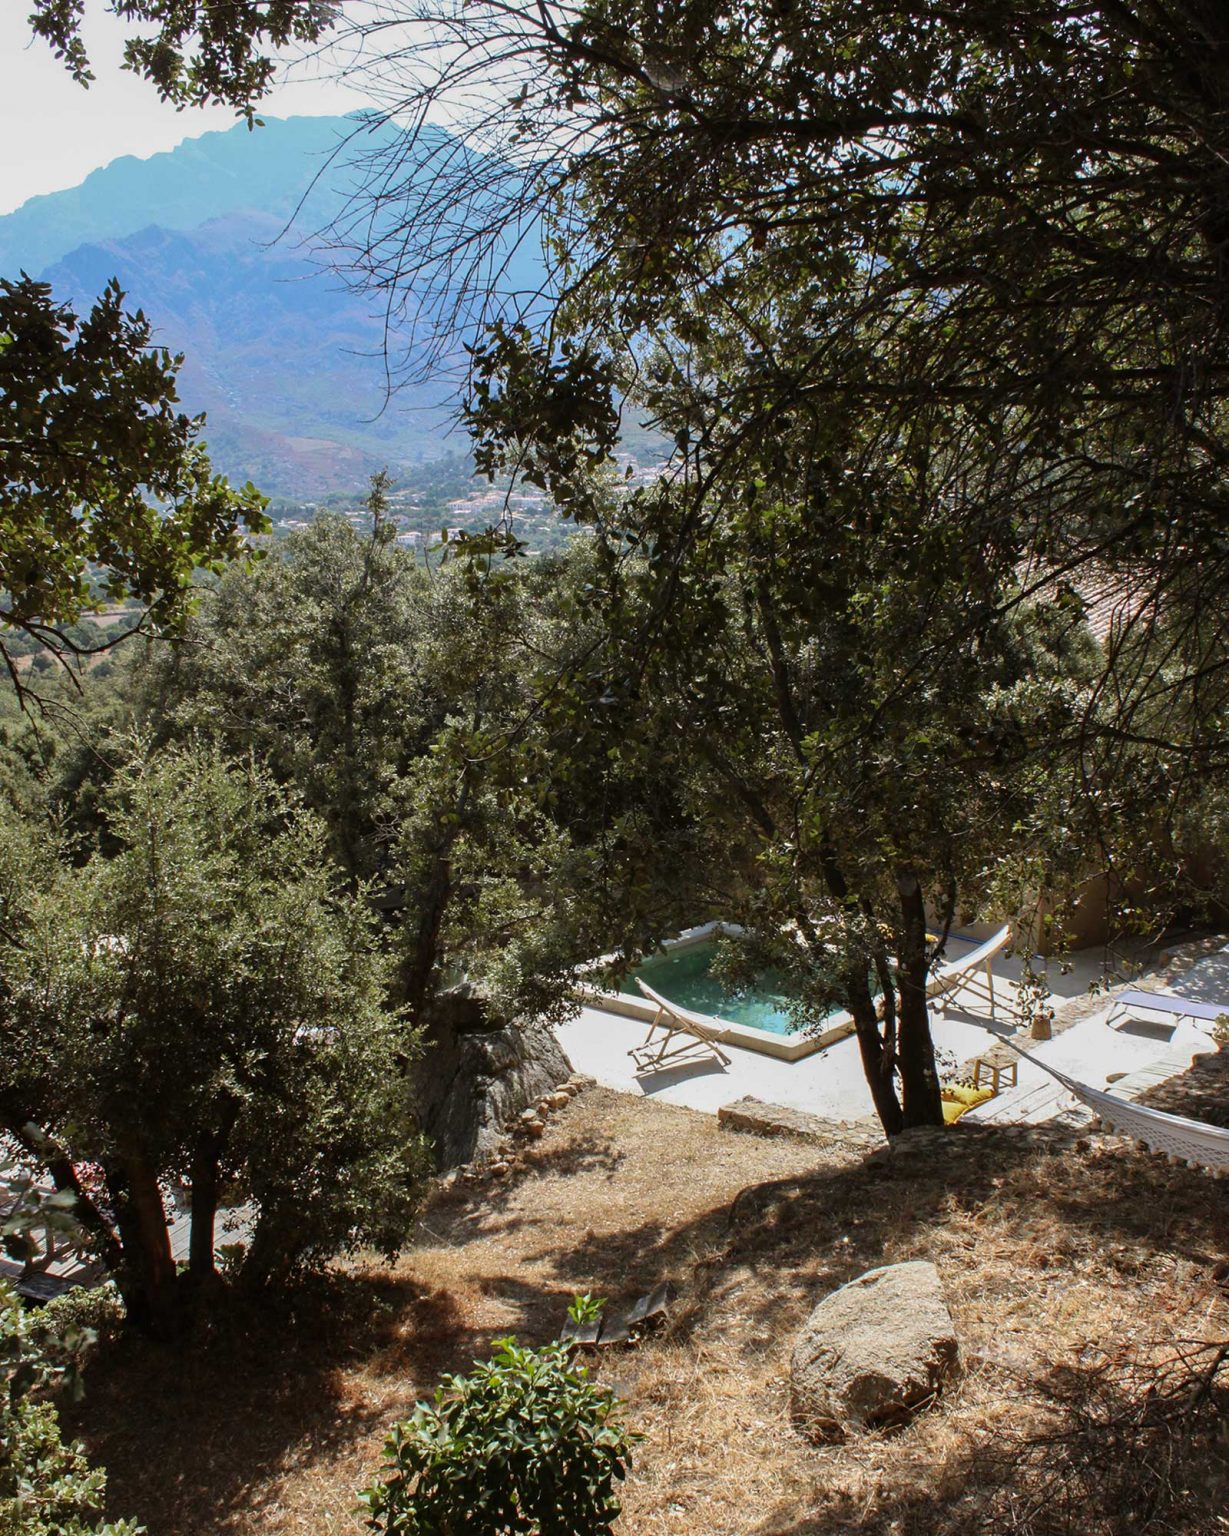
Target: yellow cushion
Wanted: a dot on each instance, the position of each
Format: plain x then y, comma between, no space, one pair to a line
960,1093
958,1100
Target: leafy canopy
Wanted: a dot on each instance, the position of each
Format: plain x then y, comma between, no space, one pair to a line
929,302
199,52
105,489
205,1006
405,709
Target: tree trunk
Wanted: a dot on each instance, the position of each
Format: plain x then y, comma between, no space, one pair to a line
85,1213
56,1161
424,952
206,1186
876,1044
883,1091
922,1104
266,1259
147,1278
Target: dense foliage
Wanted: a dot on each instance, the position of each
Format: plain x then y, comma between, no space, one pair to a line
263,862
526,1445
406,708
929,303
105,490
204,1010
47,1487
851,828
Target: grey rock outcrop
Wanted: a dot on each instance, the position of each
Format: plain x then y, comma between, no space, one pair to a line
873,1352
474,1081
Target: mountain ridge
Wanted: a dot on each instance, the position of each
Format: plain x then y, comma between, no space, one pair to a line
200,179
285,358
285,361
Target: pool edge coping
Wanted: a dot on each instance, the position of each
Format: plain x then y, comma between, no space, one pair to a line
763,1042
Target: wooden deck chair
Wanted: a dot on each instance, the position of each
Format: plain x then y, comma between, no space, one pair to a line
944,983
683,1034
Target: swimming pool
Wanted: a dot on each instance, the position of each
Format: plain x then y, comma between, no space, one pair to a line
757,1020
684,975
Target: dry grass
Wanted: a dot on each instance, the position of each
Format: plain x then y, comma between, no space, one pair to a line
1071,1271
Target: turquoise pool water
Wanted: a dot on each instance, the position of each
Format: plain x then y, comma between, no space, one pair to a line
685,977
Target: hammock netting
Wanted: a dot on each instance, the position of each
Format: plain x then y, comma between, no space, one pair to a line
1174,1136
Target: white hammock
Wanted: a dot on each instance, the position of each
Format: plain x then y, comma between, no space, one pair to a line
1174,1136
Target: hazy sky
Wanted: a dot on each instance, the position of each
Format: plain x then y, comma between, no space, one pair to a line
53,133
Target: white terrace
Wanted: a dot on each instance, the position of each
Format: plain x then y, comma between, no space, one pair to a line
830,1083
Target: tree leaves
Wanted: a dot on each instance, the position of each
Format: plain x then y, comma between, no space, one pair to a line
105,490
525,1445
199,52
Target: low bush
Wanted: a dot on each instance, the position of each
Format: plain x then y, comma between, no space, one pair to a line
70,1324
526,1445
47,1488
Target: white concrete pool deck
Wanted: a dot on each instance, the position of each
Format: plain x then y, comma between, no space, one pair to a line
1143,1050
831,1084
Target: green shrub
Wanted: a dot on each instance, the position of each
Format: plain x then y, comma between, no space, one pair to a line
72,1323
526,1445
47,1488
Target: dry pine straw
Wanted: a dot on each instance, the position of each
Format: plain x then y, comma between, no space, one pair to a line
1049,1252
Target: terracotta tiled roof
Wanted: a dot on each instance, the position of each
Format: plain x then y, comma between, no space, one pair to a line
1110,602
1111,599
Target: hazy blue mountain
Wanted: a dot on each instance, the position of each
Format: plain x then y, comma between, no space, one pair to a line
267,168
285,359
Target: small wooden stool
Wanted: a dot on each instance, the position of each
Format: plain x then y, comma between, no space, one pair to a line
996,1071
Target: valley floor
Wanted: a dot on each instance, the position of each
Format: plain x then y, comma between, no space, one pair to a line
1074,1267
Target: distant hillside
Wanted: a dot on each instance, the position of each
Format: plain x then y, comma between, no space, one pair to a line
286,361
267,168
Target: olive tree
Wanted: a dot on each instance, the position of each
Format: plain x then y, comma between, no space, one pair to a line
106,490
205,1011
872,736
926,303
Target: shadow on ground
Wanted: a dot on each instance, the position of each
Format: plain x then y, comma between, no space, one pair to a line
1120,1451
1064,1196
195,1437
196,1441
